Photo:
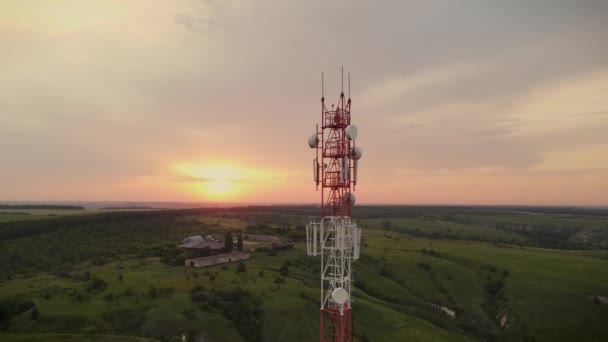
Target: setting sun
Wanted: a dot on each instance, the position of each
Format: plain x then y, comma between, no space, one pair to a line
218,187
217,180
223,180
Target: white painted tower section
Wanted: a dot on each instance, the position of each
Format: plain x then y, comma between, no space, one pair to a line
337,240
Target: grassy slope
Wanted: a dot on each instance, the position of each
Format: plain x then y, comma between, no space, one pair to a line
292,302
547,291
535,218
434,226
592,230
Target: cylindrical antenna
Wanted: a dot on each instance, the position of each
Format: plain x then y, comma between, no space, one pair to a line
343,79
349,85
322,85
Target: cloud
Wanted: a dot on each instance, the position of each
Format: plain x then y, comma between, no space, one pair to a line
200,16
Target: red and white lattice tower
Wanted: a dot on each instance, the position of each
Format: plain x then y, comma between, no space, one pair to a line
335,237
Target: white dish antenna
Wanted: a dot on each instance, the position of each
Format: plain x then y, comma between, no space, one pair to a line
339,296
351,132
350,198
313,141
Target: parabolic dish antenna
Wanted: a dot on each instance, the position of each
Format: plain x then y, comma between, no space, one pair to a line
351,132
340,296
313,141
350,198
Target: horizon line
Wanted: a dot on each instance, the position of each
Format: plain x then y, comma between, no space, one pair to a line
242,204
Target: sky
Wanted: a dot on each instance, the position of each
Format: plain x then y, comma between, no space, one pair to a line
456,102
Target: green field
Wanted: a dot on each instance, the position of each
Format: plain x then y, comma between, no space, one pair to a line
496,290
17,337
437,228
11,215
34,214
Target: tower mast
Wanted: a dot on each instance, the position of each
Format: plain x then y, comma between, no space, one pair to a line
335,237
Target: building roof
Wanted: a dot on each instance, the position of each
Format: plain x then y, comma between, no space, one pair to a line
199,245
261,237
194,238
191,241
215,257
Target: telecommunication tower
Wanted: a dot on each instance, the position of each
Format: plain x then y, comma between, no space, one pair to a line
335,237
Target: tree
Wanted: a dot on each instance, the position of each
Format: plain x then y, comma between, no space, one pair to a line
239,243
109,296
97,284
284,270
35,314
386,224
228,243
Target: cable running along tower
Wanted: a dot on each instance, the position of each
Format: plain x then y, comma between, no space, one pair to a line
335,237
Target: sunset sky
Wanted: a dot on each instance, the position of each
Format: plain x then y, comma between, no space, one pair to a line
457,102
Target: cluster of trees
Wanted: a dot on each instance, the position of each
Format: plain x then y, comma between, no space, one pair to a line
97,285
229,242
169,254
298,233
58,244
263,229
237,305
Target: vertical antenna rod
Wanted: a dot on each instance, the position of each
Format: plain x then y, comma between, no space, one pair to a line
349,85
322,85
343,79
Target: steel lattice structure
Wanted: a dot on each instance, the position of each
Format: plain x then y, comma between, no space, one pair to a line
335,237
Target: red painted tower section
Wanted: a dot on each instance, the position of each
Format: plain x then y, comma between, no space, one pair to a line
334,159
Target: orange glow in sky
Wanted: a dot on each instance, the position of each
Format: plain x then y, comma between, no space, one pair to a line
212,180
221,180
